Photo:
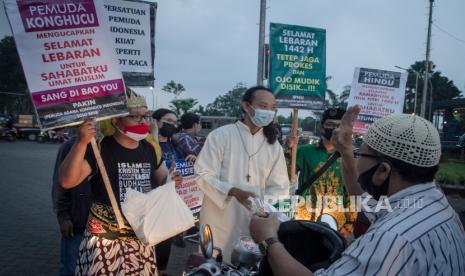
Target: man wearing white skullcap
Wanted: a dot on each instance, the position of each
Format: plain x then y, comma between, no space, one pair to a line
418,233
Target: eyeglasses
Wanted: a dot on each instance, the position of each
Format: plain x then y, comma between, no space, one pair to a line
139,118
358,155
169,122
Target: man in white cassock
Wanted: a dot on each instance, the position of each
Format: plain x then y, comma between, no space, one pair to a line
239,161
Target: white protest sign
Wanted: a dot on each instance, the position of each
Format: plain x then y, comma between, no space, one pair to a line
68,59
132,27
378,93
189,191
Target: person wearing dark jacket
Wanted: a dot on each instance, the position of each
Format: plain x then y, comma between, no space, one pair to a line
72,209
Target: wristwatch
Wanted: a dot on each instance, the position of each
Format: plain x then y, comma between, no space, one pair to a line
264,245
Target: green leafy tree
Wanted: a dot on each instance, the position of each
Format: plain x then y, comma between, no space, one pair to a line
228,104
443,88
182,106
174,88
331,97
199,110
14,97
308,124
282,119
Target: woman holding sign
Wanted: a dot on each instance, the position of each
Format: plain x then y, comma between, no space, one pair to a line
131,162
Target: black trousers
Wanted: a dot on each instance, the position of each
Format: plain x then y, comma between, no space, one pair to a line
162,251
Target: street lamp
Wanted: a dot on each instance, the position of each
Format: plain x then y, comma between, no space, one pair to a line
416,85
153,97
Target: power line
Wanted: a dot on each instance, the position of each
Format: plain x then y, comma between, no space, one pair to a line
449,34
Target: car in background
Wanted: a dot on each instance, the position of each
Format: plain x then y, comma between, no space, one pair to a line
313,139
309,139
461,141
5,118
286,130
209,123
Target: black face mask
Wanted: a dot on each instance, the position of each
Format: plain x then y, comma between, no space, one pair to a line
167,130
365,180
328,133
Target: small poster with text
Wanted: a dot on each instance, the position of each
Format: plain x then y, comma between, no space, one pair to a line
189,191
378,93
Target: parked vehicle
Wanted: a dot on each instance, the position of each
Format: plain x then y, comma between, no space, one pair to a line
53,136
461,141
9,134
325,246
210,123
28,133
23,124
7,130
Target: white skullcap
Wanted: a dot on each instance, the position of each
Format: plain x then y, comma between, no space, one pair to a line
405,137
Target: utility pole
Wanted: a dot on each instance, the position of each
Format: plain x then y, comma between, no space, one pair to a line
428,45
261,43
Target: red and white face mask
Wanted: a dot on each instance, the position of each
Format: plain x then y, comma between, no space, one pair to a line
136,132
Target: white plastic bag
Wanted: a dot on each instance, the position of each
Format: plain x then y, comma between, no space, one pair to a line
157,215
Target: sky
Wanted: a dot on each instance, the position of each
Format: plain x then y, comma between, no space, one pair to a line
210,45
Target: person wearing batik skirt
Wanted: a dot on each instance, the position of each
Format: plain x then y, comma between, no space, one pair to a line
131,163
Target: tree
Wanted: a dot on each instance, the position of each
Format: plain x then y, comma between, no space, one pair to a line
13,88
443,88
309,124
228,104
199,110
174,88
182,106
332,100
284,120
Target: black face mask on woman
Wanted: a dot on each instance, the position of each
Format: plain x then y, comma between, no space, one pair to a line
167,130
366,181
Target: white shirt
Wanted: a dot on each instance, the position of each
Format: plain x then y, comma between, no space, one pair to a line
223,164
421,236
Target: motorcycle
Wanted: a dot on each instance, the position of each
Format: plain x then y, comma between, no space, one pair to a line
314,244
245,257
52,136
9,134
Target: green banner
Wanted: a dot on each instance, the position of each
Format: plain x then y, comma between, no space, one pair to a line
298,66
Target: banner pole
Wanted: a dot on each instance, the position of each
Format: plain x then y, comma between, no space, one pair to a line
106,182
295,124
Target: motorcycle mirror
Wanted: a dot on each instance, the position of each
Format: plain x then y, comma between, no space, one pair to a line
328,220
206,241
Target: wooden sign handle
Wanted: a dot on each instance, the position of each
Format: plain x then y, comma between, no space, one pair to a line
295,125
106,182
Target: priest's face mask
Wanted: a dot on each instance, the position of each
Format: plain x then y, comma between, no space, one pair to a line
262,109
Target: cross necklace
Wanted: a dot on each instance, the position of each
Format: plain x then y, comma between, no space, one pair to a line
247,152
